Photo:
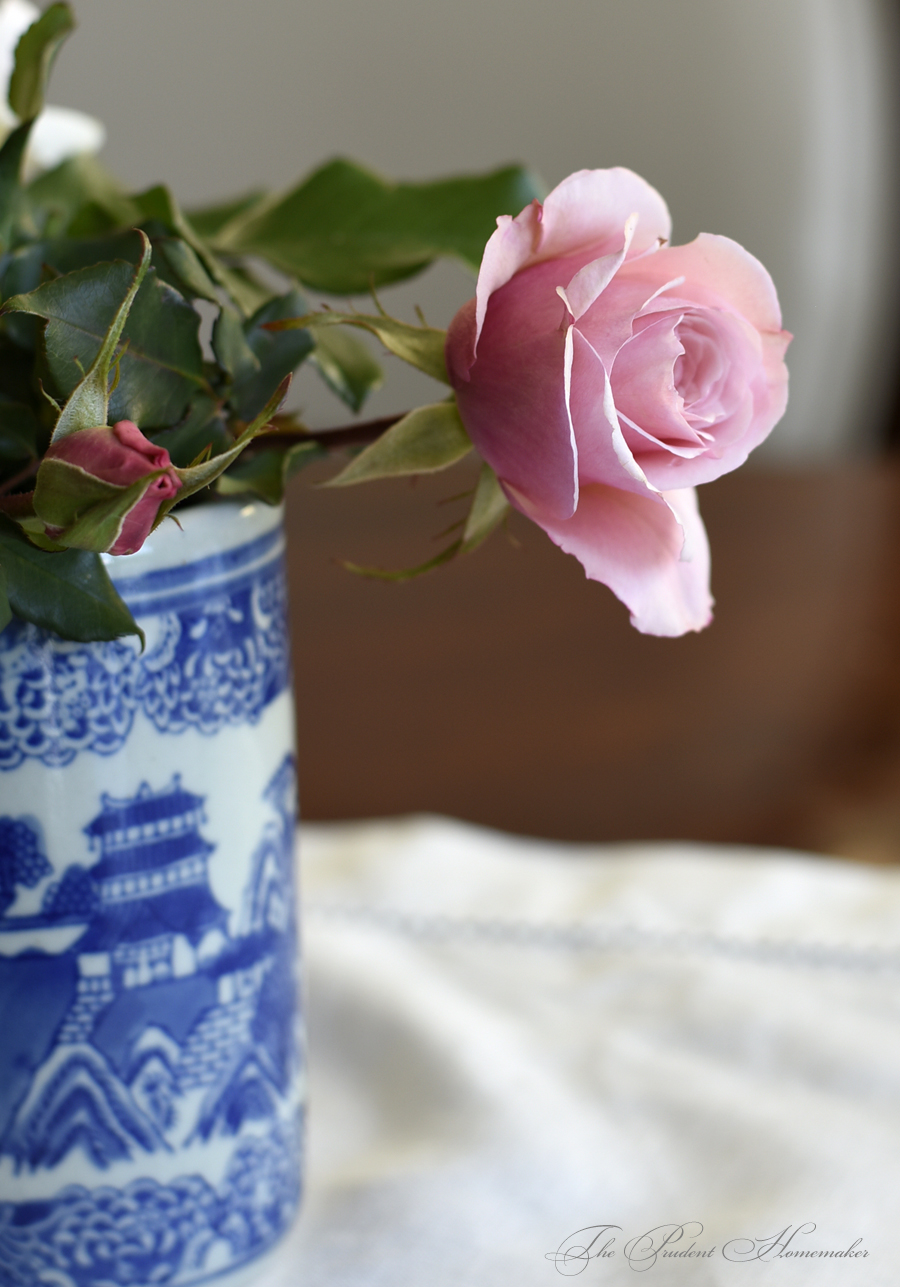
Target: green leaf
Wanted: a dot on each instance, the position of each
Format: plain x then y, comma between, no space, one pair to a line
489,508
195,477
428,439
5,609
345,229
181,267
19,433
88,404
346,365
11,155
161,362
230,346
420,346
158,203
201,429
278,353
245,289
69,593
267,472
173,260
35,54
59,194
210,220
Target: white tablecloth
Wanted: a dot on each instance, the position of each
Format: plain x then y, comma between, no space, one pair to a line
513,1040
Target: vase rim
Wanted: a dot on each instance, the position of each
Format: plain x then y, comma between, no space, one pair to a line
200,532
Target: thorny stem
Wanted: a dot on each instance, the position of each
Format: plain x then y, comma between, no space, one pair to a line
330,439
334,439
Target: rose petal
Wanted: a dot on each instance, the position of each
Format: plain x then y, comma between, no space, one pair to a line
634,544
591,281
589,209
584,213
716,271
512,403
603,454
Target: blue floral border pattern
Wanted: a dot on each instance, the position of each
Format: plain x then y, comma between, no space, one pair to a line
217,654
151,1232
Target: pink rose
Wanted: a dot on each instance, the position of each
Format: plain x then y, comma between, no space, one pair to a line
602,374
120,455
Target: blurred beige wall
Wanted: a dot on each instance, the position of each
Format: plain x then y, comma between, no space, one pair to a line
768,120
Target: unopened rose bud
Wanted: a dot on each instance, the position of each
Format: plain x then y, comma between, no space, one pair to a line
81,485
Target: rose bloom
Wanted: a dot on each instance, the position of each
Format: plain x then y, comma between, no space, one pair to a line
602,374
121,455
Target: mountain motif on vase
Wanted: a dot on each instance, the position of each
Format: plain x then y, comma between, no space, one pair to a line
148,1042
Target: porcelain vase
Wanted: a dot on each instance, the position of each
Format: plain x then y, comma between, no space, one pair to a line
151,1073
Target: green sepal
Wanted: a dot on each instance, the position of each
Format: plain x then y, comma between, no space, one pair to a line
266,473
489,507
424,441
346,365
405,574
35,54
69,593
420,346
488,510
196,477
88,511
88,405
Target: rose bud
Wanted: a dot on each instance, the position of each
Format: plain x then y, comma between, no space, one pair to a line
81,481
603,374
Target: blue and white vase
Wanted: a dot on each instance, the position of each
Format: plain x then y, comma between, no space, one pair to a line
151,1066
